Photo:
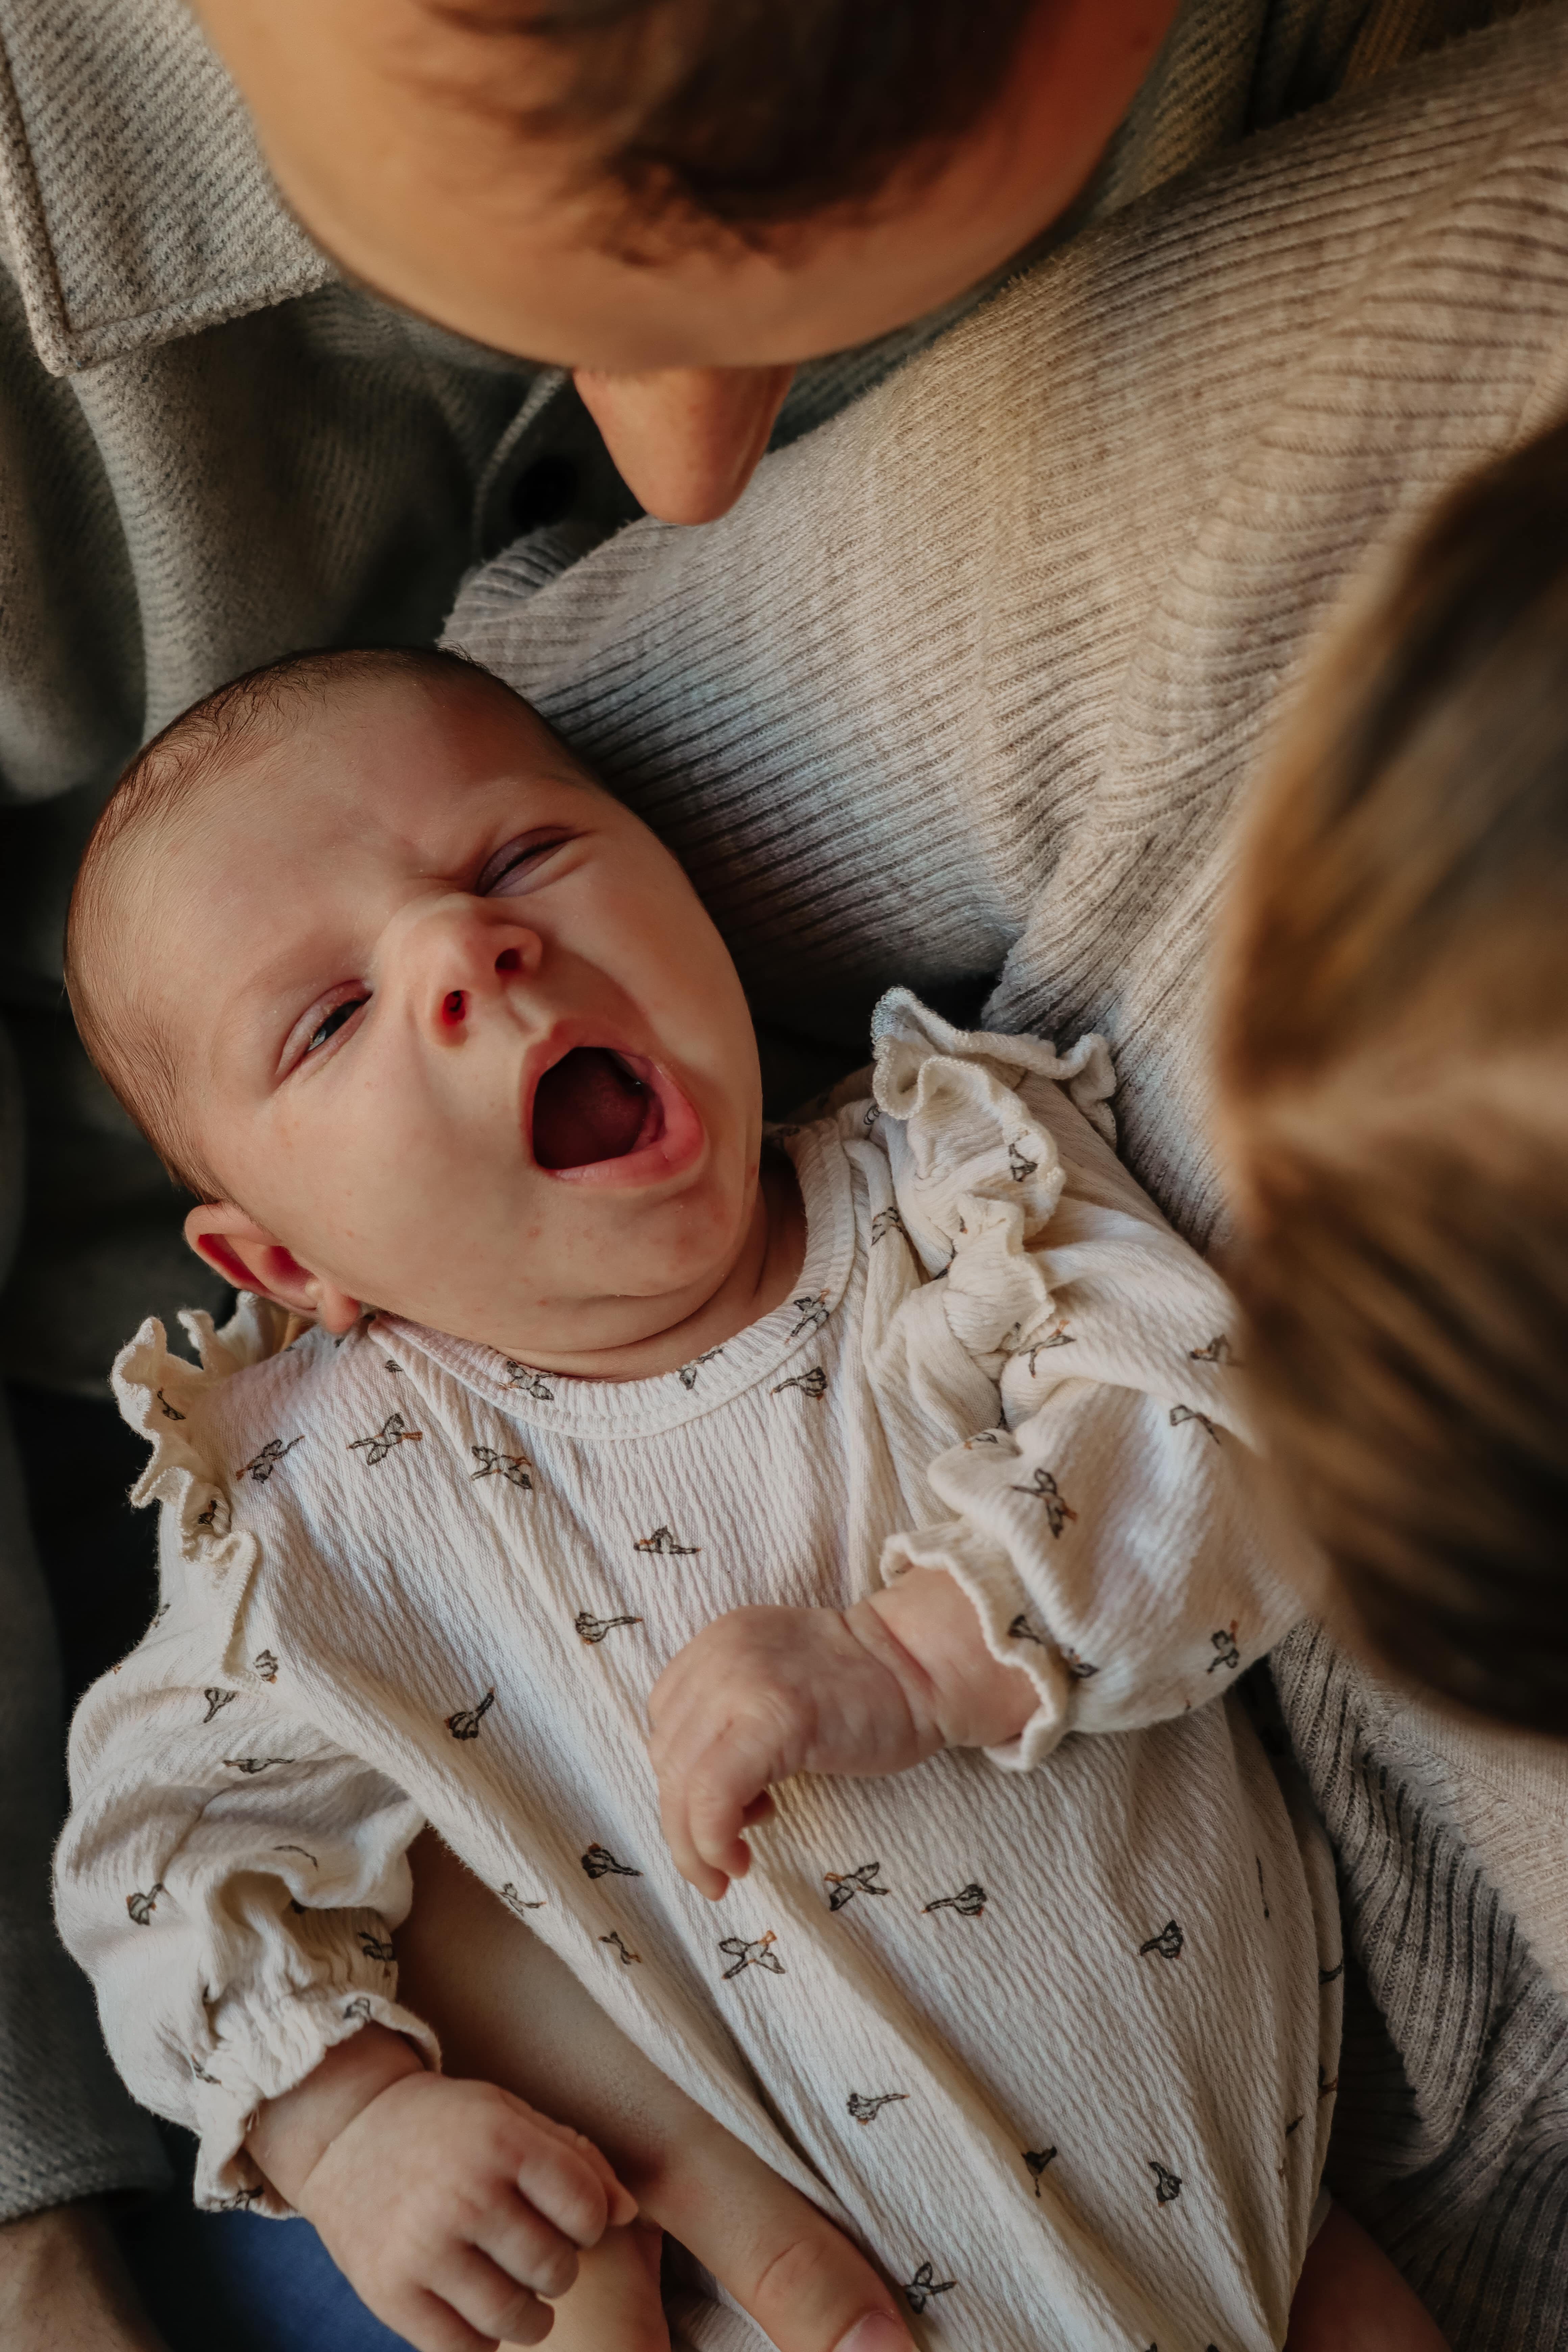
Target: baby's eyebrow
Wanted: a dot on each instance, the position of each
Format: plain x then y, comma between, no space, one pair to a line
255,1014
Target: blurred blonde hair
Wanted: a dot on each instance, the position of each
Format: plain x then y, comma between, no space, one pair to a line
1393,1059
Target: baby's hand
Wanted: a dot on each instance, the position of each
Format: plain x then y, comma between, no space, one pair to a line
764,1692
453,2207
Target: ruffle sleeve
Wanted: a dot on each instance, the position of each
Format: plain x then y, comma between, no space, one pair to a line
227,1876
1111,1527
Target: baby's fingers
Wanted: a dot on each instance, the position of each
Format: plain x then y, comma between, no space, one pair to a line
568,2183
707,1795
485,2304
620,2206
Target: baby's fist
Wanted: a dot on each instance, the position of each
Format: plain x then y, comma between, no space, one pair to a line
759,1694
453,2207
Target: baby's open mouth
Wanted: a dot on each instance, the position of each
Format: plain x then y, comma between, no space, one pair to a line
594,1104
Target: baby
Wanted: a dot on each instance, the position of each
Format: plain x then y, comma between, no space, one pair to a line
864,1462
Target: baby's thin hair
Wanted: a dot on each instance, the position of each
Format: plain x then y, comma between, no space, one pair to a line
156,791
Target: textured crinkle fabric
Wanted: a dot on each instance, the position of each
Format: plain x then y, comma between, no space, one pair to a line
1053,2036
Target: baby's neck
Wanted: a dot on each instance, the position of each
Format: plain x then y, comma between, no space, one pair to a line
763,1277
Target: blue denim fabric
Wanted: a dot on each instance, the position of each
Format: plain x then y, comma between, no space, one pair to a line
246,2284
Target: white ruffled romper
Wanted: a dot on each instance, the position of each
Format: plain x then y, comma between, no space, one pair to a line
1052,2028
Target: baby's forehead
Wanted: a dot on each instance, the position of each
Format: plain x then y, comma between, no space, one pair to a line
375,756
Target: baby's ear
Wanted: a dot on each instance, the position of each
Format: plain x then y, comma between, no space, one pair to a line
250,1258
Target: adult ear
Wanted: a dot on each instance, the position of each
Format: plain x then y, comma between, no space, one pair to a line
250,1258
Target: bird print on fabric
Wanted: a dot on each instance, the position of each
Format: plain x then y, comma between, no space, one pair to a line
531,1383
1217,1352
165,1408
1020,1630
465,1723
753,1952
687,1374
593,1630
1044,1489
265,1665
1224,1649
1180,1412
519,1902
393,1432
253,1765
969,1902
1167,2187
200,2072
360,2007
376,1947
663,1542
813,1314
1078,1668
1060,1337
925,2286
142,1906
846,1884
1168,1943
215,1700
813,1383
260,1467
212,1511
1037,2158
625,1957
886,1222
867,2110
515,1468
600,1863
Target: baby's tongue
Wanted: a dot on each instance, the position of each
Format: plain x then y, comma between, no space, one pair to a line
588,1107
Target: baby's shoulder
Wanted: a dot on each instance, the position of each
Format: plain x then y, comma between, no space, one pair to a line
258,1410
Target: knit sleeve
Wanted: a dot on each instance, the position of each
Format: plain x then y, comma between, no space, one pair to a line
1112,1529
227,1876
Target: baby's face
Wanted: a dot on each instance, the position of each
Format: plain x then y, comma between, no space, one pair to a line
453,1025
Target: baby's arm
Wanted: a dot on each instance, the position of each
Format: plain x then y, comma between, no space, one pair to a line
508,2011
450,2205
1108,1556
227,1877
763,1693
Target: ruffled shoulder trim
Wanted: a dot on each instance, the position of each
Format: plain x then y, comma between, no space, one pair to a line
908,1034
976,1174
163,1396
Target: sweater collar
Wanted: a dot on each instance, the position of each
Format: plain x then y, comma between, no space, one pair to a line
133,198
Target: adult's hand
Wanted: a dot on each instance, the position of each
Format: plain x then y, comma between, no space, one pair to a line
63,2287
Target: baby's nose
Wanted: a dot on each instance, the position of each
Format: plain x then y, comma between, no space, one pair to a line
460,956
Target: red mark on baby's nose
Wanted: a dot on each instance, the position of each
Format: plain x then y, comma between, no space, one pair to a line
452,1008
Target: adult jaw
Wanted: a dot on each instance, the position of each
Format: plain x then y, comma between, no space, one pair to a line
683,353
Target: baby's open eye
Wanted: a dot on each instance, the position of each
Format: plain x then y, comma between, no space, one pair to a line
333,1022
